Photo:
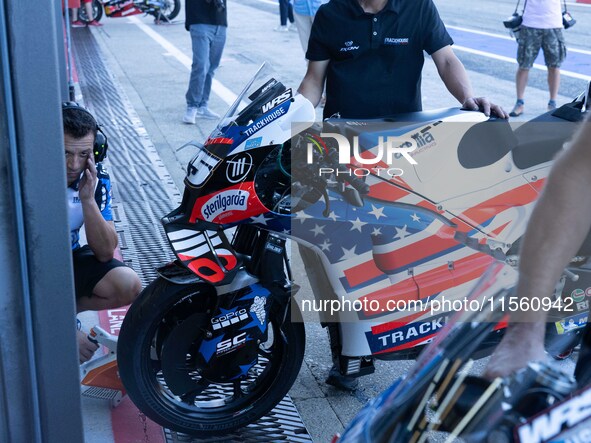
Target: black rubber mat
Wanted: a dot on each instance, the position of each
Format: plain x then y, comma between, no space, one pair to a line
143,192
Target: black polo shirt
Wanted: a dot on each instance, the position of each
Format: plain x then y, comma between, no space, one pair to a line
375,59
205,12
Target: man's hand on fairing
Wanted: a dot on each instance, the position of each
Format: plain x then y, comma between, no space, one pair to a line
483,105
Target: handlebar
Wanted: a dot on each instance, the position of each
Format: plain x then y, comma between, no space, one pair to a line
314,167
355,182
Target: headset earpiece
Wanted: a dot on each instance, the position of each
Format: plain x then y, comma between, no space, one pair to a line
100,146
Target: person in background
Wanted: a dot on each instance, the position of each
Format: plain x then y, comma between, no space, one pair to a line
541,28
369,54
303,14
285,13
101,281
76,22
207,21
356,48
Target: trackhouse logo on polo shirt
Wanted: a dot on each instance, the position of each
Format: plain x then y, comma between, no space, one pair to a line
349,46
396,41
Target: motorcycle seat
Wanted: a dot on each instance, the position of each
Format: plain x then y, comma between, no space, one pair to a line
539,139
486,143
531,143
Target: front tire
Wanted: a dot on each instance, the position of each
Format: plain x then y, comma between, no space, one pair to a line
97,12
211,408
169,11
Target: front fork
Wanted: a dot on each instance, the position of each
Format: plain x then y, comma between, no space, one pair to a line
269,262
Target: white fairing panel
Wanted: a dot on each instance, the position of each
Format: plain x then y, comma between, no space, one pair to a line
300,116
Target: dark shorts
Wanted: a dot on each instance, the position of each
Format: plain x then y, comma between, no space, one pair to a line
530,40
88,271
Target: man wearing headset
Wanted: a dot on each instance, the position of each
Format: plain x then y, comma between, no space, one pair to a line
101,281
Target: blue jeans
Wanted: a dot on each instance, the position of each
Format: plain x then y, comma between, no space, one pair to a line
208,44
285,12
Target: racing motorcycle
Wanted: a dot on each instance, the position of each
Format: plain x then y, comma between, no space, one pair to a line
410,220
442,398
161,10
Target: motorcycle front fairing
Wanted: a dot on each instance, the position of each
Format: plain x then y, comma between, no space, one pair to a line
224,186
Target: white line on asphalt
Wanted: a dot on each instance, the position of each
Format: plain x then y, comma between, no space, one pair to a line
220,90
473,31
269,2
505,37
229,97
511,60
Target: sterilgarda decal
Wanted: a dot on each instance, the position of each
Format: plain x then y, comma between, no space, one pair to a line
233,204
234,200
407,335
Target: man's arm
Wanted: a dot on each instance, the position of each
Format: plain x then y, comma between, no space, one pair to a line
312,85
100,234
558,225
454,76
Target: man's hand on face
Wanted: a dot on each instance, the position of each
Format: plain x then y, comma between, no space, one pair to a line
88,181
482,104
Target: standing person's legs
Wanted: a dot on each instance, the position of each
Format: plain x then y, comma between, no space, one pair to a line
554,54
200,43
553,82
290,11
216,49
304,25
90,13
74,5
529,44
521,78
283,8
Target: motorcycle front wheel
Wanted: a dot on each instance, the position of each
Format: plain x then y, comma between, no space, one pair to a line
209,408
97,12
169,10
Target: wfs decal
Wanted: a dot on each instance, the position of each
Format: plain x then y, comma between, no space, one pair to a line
276,101
567,414
236,200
